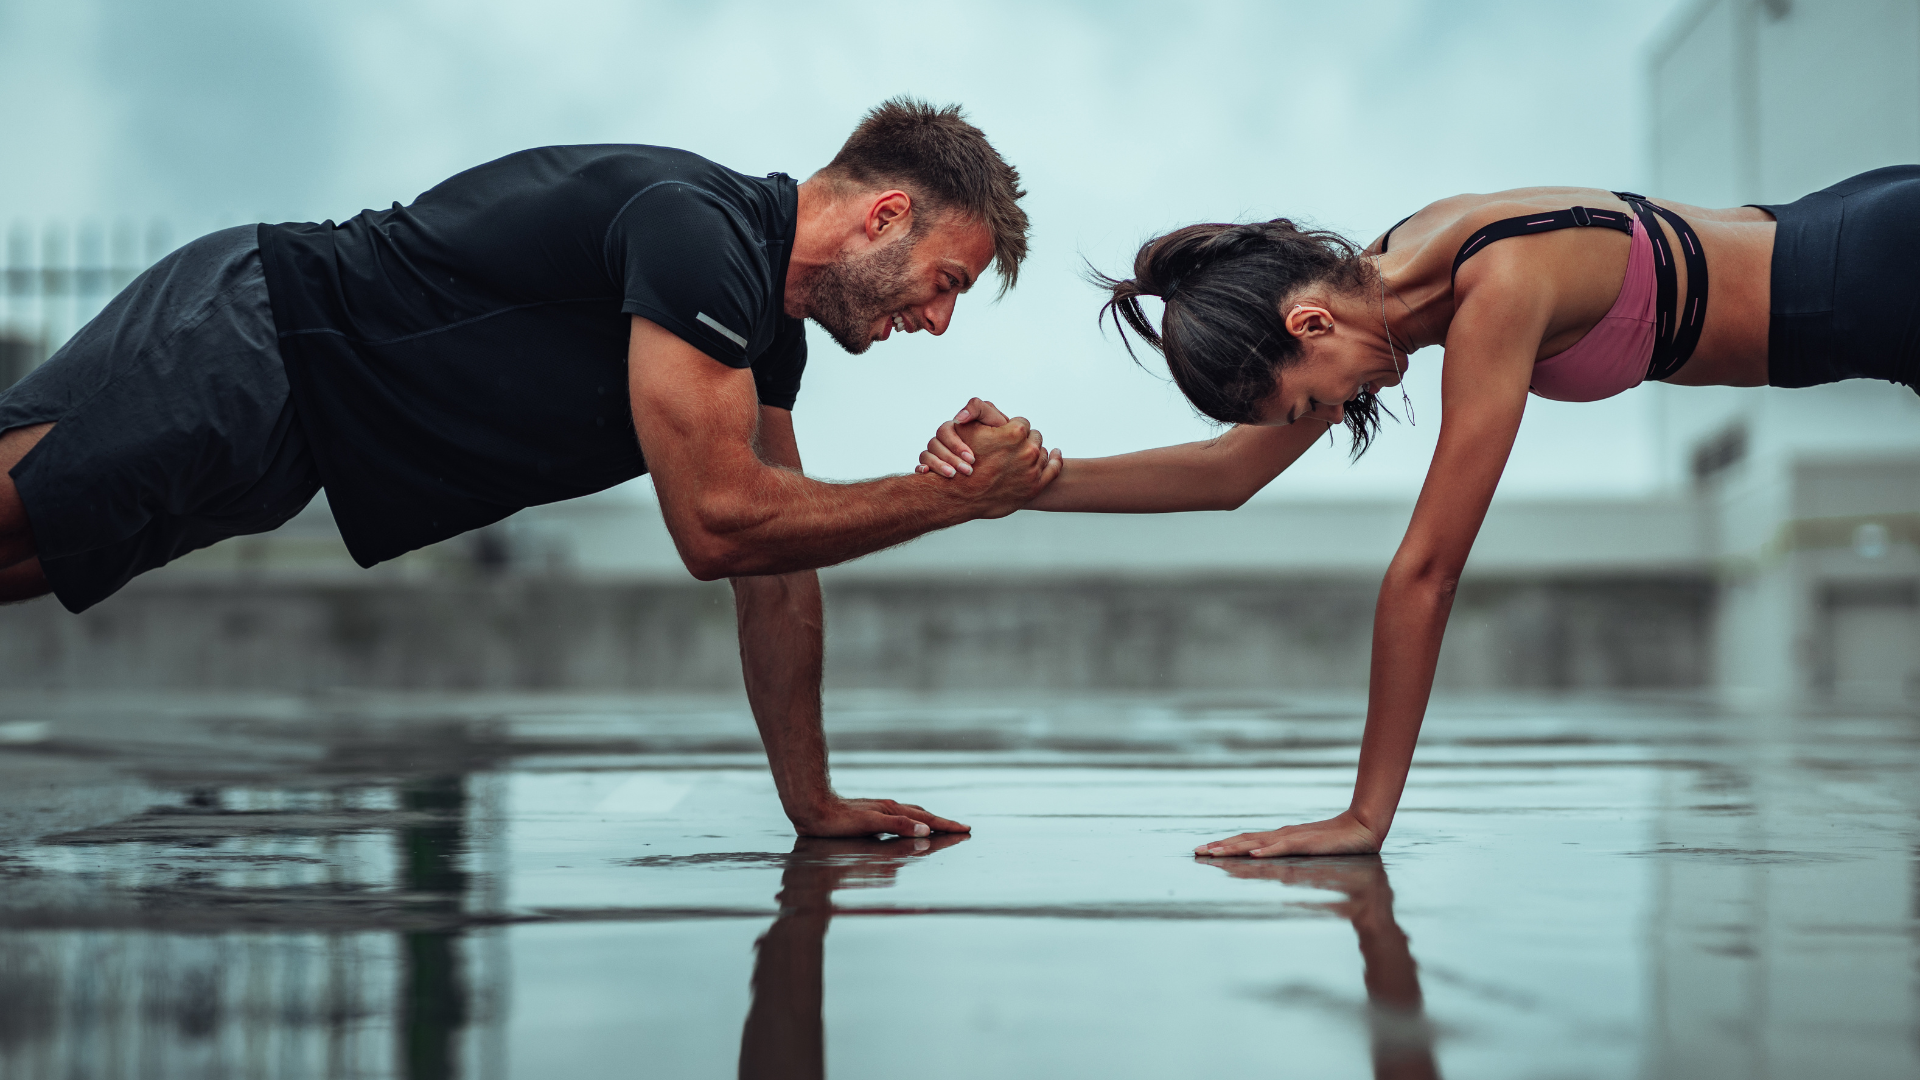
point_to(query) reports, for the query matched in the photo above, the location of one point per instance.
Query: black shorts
(172, 424)
(1846, 282)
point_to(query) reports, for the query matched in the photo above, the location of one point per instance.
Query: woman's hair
(1223, 333)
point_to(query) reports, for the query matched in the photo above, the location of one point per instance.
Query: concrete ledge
(1088, 632)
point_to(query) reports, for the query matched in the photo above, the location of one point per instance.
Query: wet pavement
(532, 887)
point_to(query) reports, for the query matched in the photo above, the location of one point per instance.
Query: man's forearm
(786, 522)
(782, 633)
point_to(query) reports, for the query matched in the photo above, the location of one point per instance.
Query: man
(541, 327)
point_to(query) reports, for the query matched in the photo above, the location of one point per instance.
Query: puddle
(470, 887)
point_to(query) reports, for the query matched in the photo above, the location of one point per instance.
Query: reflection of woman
(1401, 1038)
(1575, 294)
(784, 1038)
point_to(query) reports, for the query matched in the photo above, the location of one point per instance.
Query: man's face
(906, 283)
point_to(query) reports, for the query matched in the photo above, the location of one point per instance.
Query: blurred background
(1757, 542)
(265, 813)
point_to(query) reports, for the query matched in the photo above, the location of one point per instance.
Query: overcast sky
(1125, 119)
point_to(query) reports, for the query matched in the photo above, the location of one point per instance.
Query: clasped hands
(950, 452)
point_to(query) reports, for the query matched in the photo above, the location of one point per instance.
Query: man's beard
(852, 291)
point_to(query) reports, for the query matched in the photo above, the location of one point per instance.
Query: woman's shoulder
(1451, 220)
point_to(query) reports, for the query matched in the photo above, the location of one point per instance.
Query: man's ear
(889, 212)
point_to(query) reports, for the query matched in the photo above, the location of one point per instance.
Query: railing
(56, 276)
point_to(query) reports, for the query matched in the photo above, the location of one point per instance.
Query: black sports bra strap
(1388, 235)
(1676, 332)
(1546, 221)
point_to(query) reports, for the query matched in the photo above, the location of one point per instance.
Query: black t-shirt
(455, 360)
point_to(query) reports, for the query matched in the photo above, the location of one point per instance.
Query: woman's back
(1585, 268)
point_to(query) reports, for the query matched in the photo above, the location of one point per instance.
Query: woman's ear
(1309, 319)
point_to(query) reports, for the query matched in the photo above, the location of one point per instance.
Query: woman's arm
(1491, 346)
(1214, 474)
(1218, 474)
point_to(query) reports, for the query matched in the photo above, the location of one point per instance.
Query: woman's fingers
(941, 460)
(947, 446)
(1342, 835)
(1234, 845)
(1051, 470)
(949, 436)
(1281, 844)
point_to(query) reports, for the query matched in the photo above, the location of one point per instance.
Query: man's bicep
(693, 415)
(776, 443)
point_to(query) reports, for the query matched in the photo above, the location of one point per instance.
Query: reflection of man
(538, 328)
(784, 1038)
(1401, 1037)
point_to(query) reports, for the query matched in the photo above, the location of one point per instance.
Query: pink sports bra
(1645, 335)
(1613, 356)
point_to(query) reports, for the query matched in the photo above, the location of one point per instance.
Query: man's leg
(23, 581)
(20, 574)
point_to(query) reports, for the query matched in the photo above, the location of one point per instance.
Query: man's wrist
(808, 802)
(959, 504)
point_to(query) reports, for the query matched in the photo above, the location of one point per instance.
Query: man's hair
(946, 165)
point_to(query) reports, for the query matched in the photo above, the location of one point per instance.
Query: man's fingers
(987, 412)
(940, 824)
(897, 824)
(908, 816)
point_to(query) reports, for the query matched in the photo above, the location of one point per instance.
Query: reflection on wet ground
(499, 887)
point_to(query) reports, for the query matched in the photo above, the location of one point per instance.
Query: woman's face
(1338, 359)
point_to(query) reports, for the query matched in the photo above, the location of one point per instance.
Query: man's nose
(938, 315)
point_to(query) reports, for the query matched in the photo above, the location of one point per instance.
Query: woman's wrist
(1374, 819)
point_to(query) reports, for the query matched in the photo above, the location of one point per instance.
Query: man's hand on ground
(873, 817)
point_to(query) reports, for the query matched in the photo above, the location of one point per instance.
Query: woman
(1574, 294)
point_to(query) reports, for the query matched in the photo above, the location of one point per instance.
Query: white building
(1811, 497)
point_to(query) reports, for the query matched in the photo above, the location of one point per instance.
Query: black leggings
(1846, 282)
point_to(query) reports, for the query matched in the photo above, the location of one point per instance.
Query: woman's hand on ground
(947, 453)
(873, 817)
(1343, 835)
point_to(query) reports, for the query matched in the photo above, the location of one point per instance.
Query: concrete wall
(1560, 595)
(526, 632)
